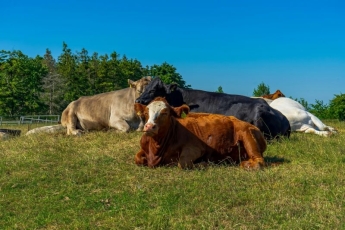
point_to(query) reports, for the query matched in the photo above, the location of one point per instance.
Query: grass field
(54, 181)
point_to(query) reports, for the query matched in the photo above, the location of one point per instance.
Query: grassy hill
(55, 181)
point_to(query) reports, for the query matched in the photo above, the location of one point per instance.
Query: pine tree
(52, 85)
(219, 90)
(67, 68)
(262, 89)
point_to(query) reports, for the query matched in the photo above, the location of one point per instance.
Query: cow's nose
(149, 127)
(138, 101)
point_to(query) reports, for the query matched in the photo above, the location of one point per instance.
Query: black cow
(254, 111)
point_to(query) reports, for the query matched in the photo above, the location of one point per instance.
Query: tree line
(43, 85)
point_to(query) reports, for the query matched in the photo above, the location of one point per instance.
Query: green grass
(54, 181)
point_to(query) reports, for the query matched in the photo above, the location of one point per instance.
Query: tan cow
(106, 110)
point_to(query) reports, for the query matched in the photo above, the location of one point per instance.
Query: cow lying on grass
(198, 137)
(106, 110)
(300, 119)
(271, 122)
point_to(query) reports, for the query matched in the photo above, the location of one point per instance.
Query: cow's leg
(321, 126)
(140, 158)
(309, 129)
(188, 155)
(331, 129)
(254, 144)
(317, 132)
(120, 125)
(141, 124)
(72, 124)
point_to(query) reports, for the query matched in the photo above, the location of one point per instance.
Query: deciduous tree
(168, 74)
(303, 102)
(320, 109)
(20, 83)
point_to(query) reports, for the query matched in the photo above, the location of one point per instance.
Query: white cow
(300, 119)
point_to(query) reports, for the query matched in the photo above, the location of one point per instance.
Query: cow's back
(209, 127)
(114, 102)
(226, 136)
(216, 131)
(99, 111)
(286, 103)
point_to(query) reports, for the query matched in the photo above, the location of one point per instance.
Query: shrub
(337, 107)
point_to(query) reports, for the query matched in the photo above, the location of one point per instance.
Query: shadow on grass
(275, 161)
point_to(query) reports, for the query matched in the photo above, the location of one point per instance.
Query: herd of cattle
(185, 127)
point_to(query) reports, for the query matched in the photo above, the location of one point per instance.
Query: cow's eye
(164, 113)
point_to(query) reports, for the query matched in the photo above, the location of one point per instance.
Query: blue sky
(295, 46)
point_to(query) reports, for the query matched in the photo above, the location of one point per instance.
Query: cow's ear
(139, 109)
(149, 78)
(131, 83)
(171, 88)
(181, 111)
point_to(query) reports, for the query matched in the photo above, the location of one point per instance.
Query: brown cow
(273, 96)
(106, 110)
(198, 137)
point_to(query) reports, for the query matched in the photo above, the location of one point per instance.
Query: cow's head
(275, 95)
(158, 114)
(139, 85)
(156, 88)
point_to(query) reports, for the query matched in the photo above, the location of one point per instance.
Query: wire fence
(36, 119)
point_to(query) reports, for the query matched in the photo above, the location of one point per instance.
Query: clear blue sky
(295, 46)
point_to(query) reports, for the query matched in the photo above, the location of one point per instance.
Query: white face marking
(154, 110)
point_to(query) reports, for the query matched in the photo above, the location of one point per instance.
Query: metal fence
(30, 119)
